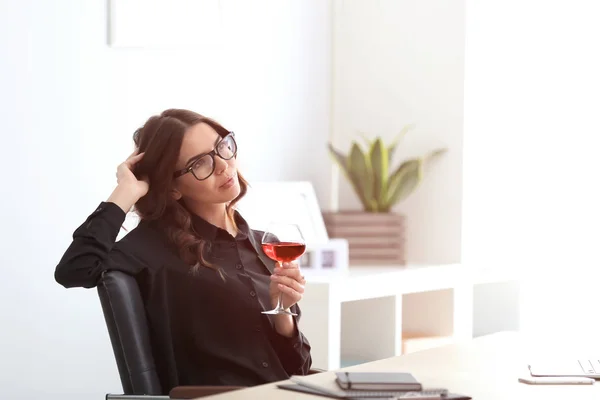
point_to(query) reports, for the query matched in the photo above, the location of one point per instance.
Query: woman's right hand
(129, 189)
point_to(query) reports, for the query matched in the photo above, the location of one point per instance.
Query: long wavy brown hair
(160, 139)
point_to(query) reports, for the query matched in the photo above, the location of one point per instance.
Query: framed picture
(325, 258)
(293, 202)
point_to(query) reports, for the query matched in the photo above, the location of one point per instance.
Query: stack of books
(370, 385)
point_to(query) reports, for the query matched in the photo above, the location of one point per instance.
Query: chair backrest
(128, 330)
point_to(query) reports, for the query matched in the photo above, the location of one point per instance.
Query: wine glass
(282, 242)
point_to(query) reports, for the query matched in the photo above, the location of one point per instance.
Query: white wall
(531, 165)
(399, 62)
(69, 106)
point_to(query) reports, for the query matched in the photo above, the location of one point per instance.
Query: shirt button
(253, 293)
(265, 364)
(239, 266)
(257, 328)
(232, 244)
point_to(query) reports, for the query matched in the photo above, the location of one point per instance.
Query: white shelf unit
(362, 315)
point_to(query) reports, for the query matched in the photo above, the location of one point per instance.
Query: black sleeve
(294, 352)
(92, 250)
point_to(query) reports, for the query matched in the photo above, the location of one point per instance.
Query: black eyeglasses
(203, 165)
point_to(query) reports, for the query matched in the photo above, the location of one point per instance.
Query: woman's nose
(220, 165)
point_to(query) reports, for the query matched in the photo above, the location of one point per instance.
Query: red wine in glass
(284, 251)
(282, 242)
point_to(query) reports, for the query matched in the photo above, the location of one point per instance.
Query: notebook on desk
(332, 390)
(401, 381)
(356, 395)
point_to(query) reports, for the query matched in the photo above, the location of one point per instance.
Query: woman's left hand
(289, 281)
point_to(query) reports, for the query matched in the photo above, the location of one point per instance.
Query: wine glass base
(279, 312)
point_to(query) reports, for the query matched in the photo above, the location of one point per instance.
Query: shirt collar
(210, 232)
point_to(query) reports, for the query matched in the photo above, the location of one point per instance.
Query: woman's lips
(228, 183)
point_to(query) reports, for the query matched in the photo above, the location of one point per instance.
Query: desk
(485, 368)
(374, 329)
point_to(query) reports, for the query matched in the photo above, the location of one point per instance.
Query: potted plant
(376, 234)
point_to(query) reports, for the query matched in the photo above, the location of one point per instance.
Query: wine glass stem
(280, 302)
(280, 298)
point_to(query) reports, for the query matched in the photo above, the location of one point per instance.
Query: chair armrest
(313, 371)
(111, 396)
(192, 392)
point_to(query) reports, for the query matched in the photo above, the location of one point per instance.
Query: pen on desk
(558, 380)
(418, 396)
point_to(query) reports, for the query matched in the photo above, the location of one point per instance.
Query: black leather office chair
(125, 317)
(128, 330)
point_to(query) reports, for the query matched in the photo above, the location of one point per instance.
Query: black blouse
(205, 330)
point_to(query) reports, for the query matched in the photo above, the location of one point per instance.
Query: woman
(201, 270)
